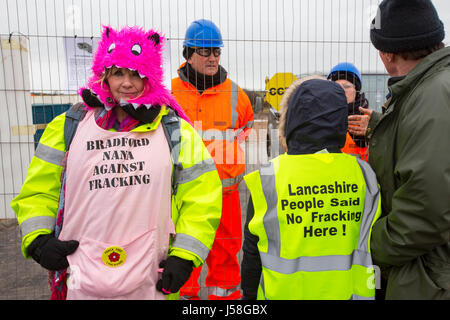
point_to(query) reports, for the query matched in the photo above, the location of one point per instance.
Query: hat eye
(111, 47)
(136, 49)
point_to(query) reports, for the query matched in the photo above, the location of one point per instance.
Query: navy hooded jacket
(316, 118)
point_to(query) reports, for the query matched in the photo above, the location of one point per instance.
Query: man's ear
(390, 57)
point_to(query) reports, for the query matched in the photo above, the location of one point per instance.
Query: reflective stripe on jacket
(196, 207)
(223, 116)
(313, 216)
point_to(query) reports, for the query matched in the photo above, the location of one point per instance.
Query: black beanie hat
(406, 25)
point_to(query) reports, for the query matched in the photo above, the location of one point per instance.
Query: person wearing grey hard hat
(410, 152)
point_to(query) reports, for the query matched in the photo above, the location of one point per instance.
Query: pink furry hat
(135, 49)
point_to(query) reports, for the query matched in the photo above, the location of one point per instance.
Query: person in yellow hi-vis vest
(311, 210)
(121, 199)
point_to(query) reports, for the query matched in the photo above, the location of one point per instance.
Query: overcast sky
(261, 37)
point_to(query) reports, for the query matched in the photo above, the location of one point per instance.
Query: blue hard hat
(203, 34)
(347, 71)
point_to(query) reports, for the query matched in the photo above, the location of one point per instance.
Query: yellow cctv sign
(276, 86)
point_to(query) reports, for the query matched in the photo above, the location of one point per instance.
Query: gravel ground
(20, 278)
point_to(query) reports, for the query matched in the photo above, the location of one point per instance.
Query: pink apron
(118, 198)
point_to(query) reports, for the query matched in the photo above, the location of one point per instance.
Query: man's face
(207, 65)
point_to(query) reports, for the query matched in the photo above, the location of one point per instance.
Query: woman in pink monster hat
(134, 205)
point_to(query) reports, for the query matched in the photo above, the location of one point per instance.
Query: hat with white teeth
(138, 50)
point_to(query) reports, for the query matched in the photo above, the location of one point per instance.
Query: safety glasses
(206, 52)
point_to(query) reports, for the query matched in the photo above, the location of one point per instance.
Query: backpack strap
(171, 126)
(74, 115)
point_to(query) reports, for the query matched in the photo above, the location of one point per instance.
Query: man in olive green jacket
(409, 150)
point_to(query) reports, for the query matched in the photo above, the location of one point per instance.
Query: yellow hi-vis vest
(313, 215)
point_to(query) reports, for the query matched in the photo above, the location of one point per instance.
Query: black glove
(51, 253)
(176, 272)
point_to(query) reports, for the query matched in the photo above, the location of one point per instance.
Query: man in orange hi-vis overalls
(222, 114)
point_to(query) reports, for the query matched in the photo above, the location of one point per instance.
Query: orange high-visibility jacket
(352, 148)
(223, 116)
